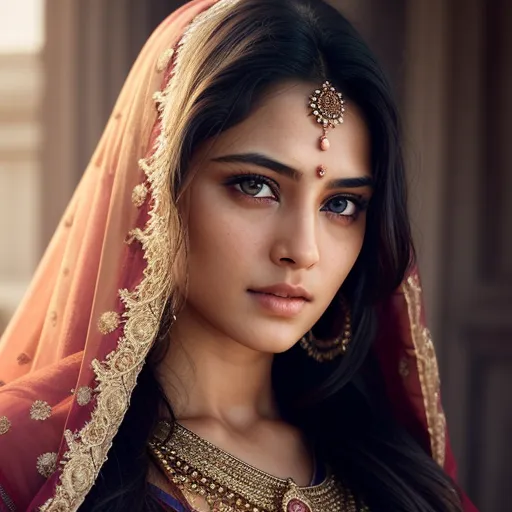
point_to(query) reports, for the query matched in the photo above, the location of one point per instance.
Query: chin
(270, 344)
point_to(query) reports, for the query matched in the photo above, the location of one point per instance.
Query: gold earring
(327, 350)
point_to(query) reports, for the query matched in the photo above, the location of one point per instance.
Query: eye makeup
(262, 189)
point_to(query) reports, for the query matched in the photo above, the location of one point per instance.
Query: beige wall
(21, 85)
(20, 175)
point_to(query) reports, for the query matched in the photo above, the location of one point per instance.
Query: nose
(296, 243)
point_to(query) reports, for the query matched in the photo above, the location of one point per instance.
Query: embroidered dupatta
(70, 358)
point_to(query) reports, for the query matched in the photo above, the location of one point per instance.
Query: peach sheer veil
(70, 357)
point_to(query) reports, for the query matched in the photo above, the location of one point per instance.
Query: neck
(208, 376)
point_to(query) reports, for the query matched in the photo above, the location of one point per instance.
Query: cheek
(222, 243)
(341, 254)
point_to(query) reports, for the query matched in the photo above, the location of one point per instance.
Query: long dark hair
(338, 405)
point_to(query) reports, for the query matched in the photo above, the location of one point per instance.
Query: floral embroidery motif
(108, 322)
(24, 359)
(5, 425)
(83, 395)
(47, 464)
(40, 410)
(139, 195)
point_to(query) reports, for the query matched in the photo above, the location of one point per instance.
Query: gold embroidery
(108, 322)
(134, 234)
(47, 464)
(428, 371)
(139, 195)
(83, 395)
(95, 433)
(5, 425)
(144, 306)
(197, 466)
(24, 359)
(159, 98)
(40, 410)
(164, 60)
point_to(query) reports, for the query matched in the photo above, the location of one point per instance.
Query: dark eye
(251, 187)
(254, 187)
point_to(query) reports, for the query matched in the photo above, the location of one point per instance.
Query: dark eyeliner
(361, 203)
(240, 178)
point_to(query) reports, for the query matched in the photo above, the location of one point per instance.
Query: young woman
(229, 317)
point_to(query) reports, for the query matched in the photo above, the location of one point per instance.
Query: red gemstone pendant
(296, 505)
(321, 171)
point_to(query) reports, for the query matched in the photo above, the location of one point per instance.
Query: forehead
(281, 126)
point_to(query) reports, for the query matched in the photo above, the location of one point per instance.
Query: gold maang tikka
(328, 106)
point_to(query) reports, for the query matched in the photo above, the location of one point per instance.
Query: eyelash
(360, 203)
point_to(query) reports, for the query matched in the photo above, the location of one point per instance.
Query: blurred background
(63, 62)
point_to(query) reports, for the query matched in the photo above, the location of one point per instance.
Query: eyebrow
(261, 160)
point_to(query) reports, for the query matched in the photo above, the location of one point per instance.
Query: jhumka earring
(327, 350)
(328, 106)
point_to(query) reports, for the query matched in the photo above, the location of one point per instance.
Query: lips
(285, 291)
(281, 300)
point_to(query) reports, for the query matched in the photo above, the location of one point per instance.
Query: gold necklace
(228, 484)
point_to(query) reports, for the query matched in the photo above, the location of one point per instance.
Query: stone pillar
(20, 175)
(425, 131)
(89, 50)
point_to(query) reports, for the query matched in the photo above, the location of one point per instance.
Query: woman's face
(271, 242)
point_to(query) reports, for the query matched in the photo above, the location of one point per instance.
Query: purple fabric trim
(167, 499)
(319, 476)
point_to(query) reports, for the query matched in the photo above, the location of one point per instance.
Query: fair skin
(245, 235)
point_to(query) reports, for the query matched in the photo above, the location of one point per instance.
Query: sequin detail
(5, 425)
(139, 195)
(40, 410)
(47, 464)
(6, 500)
(24, 359)
(83, 395)
(108, 322)
(403, 367)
